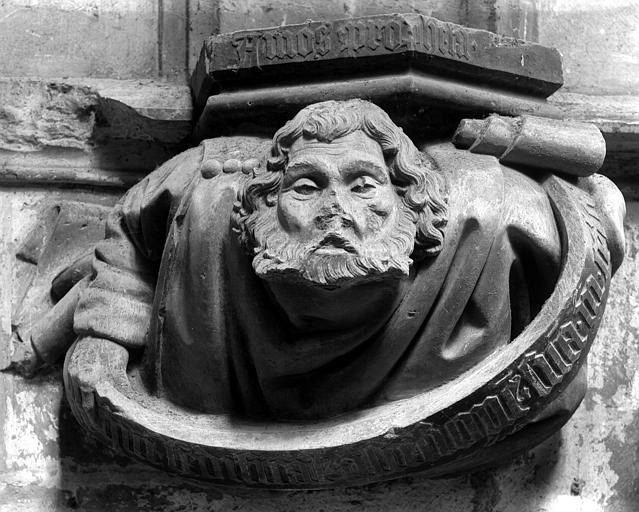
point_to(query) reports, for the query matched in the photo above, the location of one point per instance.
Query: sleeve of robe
(118, 302)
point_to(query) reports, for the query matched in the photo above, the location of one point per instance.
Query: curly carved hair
(416, 178)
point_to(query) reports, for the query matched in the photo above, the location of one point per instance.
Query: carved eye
(364, 186)
(305, 187)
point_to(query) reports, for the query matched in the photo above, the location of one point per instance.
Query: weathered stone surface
(145, 39)
(508, 17)
(49, 38)
(90, 131)
(36, 114)
(618, 119)
(597, 41)
(71, 113)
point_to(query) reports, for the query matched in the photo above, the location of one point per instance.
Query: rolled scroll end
(467, 132)
(566, 147)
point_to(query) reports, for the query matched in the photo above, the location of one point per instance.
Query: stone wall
(93, 96)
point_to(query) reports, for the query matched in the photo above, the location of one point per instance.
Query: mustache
(337, 240)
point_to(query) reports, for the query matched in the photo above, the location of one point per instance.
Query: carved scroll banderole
(567, 147)
(420, 434)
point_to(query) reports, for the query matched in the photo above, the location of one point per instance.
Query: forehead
(354, 146)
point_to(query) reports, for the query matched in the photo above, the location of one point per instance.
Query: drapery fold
(171, 276)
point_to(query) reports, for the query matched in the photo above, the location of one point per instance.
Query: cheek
(382, 209)
(294, 215)
(377, 218)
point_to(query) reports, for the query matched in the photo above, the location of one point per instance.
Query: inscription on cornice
(352, 38)
(420, 38)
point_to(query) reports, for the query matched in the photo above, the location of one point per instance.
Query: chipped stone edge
(128, 107)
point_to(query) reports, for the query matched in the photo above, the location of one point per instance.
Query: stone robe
(171, 276)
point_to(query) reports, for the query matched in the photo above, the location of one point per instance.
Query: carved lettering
(461, 44)
(290, 41)
(514, 395)
(270, 46)
(280, 51)
(430, 35)
(373, 35)
(539, 373)
(305, 42)
(343, 39)
(398, 455)
(561, 364)
(413, 454)
(427, 448)
(295, 472)
(322, 40)
(341, 468)
(491, 415)
(392, 36)
(378, 459)
(569, 351)
(439, 442)
(352, 37)
(576, 337)
(462, 430)
(357, 35)
(211, 467)
(444, 39)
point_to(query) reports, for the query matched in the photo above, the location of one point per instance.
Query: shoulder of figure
(484, 174)
(526, 200)
(474, 183)
(484, 189)
(460, 165)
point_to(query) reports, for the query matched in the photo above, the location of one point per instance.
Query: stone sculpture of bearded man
(346, 269)
(294, 217)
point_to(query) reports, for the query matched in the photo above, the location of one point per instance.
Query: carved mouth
(334, 243)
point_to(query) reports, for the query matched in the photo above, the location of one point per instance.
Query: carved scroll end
(568, 147)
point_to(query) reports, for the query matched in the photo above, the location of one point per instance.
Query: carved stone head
(345, 196)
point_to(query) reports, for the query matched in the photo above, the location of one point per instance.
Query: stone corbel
(504, 240)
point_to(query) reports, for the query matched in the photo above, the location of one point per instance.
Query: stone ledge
(93, 132)
(153, 99)
(611, 114)
(618, 119)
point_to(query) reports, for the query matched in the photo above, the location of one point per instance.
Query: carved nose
(334, 218)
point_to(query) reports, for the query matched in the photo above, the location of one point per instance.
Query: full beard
(279, 257)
